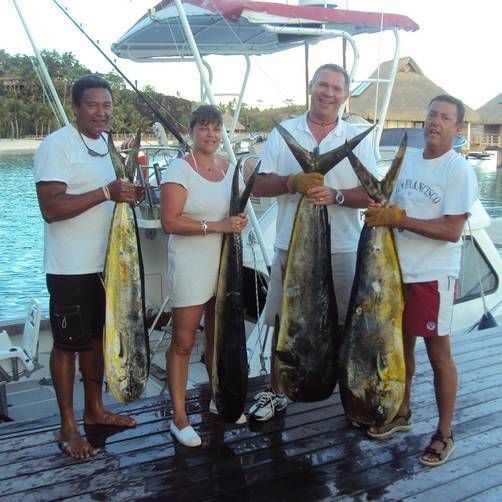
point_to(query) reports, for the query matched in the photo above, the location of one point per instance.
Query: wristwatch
(339, 198)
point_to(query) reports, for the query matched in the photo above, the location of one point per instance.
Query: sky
(457, 47)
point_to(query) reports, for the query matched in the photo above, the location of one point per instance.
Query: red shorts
(428, 309)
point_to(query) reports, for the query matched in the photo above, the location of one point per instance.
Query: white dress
(193, 260)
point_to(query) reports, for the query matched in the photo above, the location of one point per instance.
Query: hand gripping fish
(307, 333)
(230, 363)
(372, 368)
(126, 351)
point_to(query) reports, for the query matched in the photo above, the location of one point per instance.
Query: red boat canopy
(241, 27)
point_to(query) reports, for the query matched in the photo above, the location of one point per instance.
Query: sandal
(442, 454)
(401, 423)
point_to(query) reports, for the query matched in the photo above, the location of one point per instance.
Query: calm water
(21, 230)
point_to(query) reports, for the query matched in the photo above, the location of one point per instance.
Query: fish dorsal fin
(132, 157)
(391, 177)
(249, 187)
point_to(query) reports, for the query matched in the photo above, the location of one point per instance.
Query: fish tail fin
(305, 158)
(234, 197)
(118, 165)
(371, 185)
(249, 187)
(380, 191)
(132, 158)
(391, 177)
(328, 160)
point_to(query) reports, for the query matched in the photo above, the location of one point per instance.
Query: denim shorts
(77, 310)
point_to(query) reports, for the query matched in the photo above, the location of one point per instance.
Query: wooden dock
(309, 452)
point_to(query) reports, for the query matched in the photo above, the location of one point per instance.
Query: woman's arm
(172, 201)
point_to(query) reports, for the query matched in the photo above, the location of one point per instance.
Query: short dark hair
(454, 101)
(206, 114)
(332, 67)
(88, 82)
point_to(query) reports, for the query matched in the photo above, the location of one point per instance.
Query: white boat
(193, 29)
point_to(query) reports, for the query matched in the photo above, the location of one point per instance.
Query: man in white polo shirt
(319, 130)
(77, 188)
(430, 203)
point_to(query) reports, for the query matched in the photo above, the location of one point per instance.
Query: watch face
(339, 198)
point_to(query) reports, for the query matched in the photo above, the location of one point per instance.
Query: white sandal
(186, 436)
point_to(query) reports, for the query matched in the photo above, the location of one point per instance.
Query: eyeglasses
(92, 152)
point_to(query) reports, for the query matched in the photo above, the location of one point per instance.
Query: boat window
(469, 280)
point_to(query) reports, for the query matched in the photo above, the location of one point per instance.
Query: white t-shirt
(428, 189)
(76, 245)
(277, 158)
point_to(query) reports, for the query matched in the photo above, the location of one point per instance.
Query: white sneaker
(266, 405)
(214, 410)
(186, 436)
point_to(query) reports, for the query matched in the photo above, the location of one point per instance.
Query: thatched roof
(410, 97)
(227, 122)
(491, 112)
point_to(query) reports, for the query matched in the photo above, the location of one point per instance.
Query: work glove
(390, 216)
(301, 182)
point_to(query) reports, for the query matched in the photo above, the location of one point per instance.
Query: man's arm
(56, 205)
(270, 185)
(447, 228)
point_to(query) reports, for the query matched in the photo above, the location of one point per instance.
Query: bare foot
(74, 445)
(104, 417)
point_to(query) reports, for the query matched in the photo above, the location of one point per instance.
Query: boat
(311, 452)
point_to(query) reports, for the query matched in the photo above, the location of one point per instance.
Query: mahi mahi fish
(230, 364)
(126, 352)
(307, 332)
(372, 367)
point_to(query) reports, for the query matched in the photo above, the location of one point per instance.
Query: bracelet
(203, 226)
(106, 191)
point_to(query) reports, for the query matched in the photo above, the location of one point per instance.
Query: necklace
(321, 124)
(92, 152)
(207, 168)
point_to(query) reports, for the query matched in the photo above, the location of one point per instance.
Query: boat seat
(11, 355)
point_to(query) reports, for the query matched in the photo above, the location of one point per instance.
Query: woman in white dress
(195, 199)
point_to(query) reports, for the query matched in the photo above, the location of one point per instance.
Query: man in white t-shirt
(76, 185)
(319, 130)
(430, 203)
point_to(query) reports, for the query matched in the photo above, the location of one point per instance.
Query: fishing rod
(167, 123)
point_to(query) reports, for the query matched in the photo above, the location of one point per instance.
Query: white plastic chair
(28, 351)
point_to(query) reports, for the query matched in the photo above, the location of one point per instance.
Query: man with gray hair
(319, 130)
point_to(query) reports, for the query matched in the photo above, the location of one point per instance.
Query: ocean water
(21, 230)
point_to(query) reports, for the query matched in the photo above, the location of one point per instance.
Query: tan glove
(390, 216)
(301, 182)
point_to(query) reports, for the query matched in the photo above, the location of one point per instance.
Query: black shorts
(77, 310)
